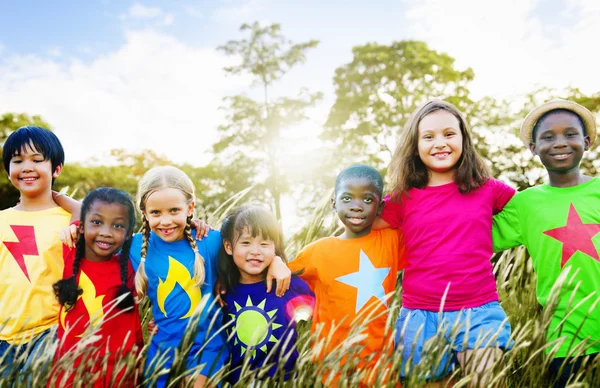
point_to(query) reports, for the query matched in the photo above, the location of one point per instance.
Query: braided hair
(67, 290)
(153, 180)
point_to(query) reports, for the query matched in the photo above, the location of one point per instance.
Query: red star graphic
(575, 236)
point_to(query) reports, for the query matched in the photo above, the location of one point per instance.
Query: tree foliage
(251, 136)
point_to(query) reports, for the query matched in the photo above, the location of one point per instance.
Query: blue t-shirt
(174, 297)
(263, 327)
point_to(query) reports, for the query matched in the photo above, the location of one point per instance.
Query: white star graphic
(368, 281)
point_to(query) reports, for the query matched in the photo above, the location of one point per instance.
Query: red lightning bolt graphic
(26, 245)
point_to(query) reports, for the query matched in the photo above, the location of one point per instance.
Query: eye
(15, 161)
(118, 226)
(154, 212)
(368, 200)
(450, 134)
(39, 161)
(346, 198)
(96, 222)
(266, 243)
(175, 210)
(427, 137)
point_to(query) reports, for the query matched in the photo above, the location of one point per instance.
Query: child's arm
(280, 272)
(506, 227)
(68, 203)
(380, 223)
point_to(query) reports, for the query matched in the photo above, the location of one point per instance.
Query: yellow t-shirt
(31, 261)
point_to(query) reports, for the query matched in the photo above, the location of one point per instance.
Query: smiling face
(167, 212)
(31, 174)
(104, 230)
(252, 256)
(560, 141)
(440, 145)
(357, 203)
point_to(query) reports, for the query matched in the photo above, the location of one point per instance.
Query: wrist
(56, 194)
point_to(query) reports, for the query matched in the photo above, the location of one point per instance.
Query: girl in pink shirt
(443, 199)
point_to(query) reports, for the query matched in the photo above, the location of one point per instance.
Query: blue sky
(117, 74)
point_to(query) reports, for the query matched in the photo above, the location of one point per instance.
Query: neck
(350, 235)
(251, 279)
(569, 178)
(437, 178)
(39, 202)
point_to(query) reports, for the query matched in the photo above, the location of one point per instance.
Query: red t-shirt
(118, 332)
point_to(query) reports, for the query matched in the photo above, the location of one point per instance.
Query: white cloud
(54, 51)
(508, 47)
(246, 12)
(139, 12)
(193, 11)
(154, 92)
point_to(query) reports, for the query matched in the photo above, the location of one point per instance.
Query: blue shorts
(16, 359)
(430, 340)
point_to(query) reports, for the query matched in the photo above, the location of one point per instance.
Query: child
(262, 325)
(443, 199)
(96, 292)
(559, 223)
(176, 272)
(352, 274)
(31, 255)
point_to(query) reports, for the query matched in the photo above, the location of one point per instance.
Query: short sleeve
(401, 250)
(502, 194)
(506, 227)
(304, 262)
(391, 212)
(135, 251)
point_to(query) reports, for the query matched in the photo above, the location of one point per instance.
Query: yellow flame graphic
(178, 274)
(92, 303)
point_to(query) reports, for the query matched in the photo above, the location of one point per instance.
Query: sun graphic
(253, 328)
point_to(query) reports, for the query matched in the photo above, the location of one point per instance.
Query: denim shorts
(430, 340)
(15, 359)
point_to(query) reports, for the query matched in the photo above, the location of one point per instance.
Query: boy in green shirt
(559, 224)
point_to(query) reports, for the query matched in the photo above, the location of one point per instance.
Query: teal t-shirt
(560, 227)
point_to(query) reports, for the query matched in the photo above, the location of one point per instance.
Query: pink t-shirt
(448, 237)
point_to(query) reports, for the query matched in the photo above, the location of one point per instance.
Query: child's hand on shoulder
(69, 235)
(279, 272)
(202, 228)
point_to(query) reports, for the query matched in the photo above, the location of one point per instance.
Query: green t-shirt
(560, 227)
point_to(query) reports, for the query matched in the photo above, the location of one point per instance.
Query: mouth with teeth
(167, 231)
(355, 220)
(254, 262)
(28, 179)
(441, 155)
(105, 246)
(561, 156)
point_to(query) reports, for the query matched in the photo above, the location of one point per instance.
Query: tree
(378, 90)
(10, 122)
(253, 128)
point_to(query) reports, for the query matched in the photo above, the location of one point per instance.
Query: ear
(532, 148)
(228, 247)
(333, 204)
(190, 210)
(80, 228)
(57, 171)
(587, 143)
(380, 207)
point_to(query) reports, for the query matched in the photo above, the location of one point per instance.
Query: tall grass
(525, 365)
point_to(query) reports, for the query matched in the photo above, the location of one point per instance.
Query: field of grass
(525, 365)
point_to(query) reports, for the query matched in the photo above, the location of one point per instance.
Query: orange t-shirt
(353, 281)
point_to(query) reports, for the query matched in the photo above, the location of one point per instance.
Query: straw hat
(586, 116)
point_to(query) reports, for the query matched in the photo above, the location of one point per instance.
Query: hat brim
(532, 118)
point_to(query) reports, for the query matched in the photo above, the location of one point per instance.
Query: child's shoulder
(299, 286)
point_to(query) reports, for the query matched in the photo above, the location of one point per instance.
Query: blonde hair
(153, 180)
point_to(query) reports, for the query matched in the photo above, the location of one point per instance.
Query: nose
(356, 206)
(27, 165)
(105, 230)
(560, 142)
(254, 249)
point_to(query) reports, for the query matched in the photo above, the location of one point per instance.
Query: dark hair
(360, 171)
(259, 222)
(67, 290)
(407, 170)
(553, 111)
(30, 137)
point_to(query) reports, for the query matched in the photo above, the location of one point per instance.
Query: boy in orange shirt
(354, 275)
